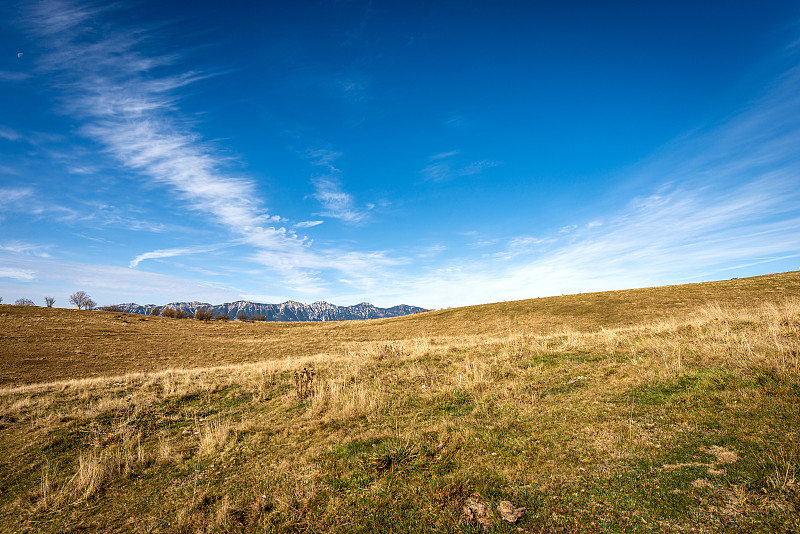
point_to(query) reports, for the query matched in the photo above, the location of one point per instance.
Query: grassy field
(669, 409)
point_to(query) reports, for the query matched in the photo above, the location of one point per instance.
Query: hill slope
(45, 344)
(653, 410)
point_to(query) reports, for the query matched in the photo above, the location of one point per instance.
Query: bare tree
(155, 310)
(241, 316)
(24, 302)
(1, 299)
(82, 300)
(49, 301)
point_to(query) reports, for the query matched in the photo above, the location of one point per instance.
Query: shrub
(175, 313)
(24, 302)
(260, 317)
(112, 308)
(203, 314)
(242, 317)
(221, 317)
(49, 301)
(155, 311)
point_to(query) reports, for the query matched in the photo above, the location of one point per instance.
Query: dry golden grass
(664, 409)
(48, 344)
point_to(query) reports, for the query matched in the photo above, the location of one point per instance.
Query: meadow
(670, 409)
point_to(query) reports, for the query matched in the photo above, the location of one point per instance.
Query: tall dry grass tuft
(217, 436)
(339, 398)
(784, 477)
(93, 471)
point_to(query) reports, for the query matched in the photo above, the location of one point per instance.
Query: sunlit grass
(683, 420)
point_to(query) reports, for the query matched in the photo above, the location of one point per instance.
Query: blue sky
(429, 153)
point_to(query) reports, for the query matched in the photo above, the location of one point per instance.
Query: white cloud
(11, 76)
(17, 274)
(14, 195)
(26, 200)
(307, 224)
(172, 252)
(105, 283)
(324, 157)
(336, 203)
(443, 167)
(733, 198)
(9, 134)
(18, 247)
(444, 155)
(131, 110)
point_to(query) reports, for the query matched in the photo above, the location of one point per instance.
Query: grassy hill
(652, 410)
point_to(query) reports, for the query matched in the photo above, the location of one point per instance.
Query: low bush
(203, 314)
(175, 313)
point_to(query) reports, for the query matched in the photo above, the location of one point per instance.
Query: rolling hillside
(652, 410)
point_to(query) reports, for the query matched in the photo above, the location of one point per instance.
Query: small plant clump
(303, 380)
(396, 456)
(221, 317)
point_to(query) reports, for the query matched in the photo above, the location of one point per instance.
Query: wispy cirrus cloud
(128, 106)
(336, 203)
(22, 275)
(721, 199)
(9, 134)
(29, 201)
(444, 166)
(676, 236)
(13, 76)
(307, 224)
(178, 251)
(19, 247)
(105, 283)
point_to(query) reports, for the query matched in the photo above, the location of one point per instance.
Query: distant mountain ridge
(289, 311)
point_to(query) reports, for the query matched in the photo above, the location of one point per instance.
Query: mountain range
(285, 311)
